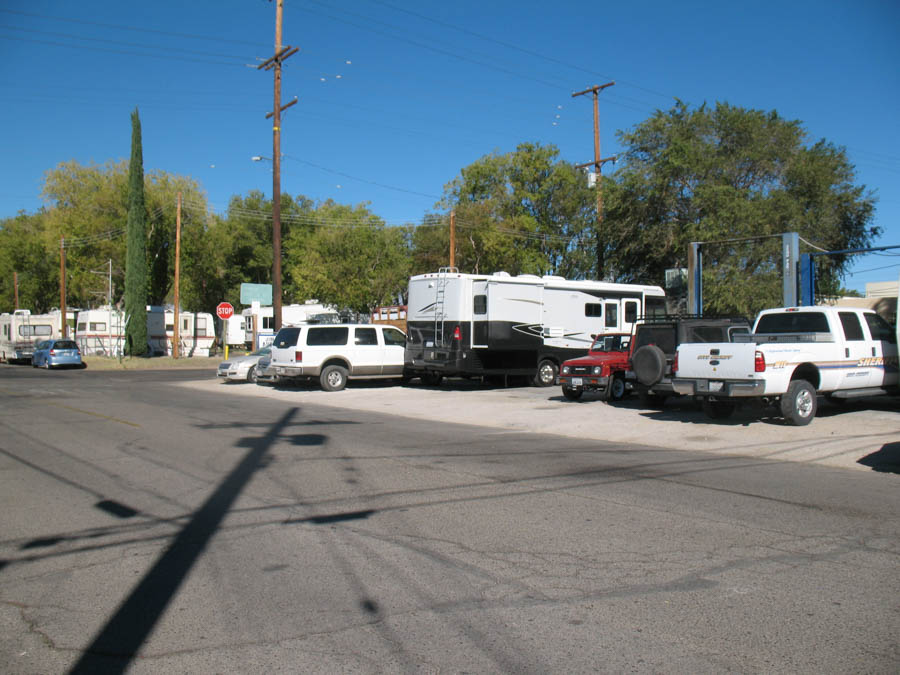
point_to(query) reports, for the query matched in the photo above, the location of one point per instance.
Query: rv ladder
(439, 290)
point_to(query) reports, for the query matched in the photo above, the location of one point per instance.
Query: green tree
(525, 211)
(24, 256)
(722, 174)
(136, 260)
(350, 259)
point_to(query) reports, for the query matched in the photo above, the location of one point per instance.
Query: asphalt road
(152, 523)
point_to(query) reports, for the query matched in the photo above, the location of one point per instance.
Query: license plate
(716, 386)
(576, 382)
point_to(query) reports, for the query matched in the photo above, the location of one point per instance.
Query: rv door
(479, 314)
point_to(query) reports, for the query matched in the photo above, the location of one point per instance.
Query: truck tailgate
(716, 360)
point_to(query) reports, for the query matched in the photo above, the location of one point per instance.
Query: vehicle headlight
(565, 370)
(597, 370)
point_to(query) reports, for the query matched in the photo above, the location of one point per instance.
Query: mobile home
(526, 325)
(21, 330)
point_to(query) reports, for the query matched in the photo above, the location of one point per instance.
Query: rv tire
(546, 374)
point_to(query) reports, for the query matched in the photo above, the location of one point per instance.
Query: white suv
(334, 353)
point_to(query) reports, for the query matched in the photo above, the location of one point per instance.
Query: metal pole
(64, 330)
(176, 332)
(453, 239)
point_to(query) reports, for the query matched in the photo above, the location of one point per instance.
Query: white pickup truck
(793, 354)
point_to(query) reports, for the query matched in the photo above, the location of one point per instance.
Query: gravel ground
(862, 435)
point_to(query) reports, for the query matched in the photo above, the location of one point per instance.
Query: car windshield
(610, 343)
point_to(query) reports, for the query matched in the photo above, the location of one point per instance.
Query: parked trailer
(21, 330)
(101, 332)
(291, 315)
(474, 325)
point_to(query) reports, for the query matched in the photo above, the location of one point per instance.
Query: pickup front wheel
(798, 404)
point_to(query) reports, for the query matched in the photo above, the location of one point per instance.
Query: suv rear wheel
(333, 378)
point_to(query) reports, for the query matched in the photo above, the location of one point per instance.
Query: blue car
(58, 352)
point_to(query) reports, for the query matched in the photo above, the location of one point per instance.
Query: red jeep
(602, 370)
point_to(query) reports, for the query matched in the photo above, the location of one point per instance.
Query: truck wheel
(717, 410)
(572, 394)
(798, 404)
(649, 364)
(546, 374)
(431, 379)
(333, 378)
(616, 388)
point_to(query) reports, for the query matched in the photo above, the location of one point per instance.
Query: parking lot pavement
(863, 435)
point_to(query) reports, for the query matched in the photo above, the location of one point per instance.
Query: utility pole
(16, 286)
(597, 163)
(453, 239)
(176, 335)
(64, 330)
(281, 53)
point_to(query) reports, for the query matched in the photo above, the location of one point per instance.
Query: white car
(242, 368)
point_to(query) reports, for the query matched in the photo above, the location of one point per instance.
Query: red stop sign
(224, 310)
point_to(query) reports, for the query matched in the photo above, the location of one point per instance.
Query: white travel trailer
(21, 330)
(483, 325)
(234, 331)
(101, 332)
(291, 315)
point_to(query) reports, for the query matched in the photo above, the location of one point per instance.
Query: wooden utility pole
(16, 286)
(176, 333)
(597, 163)
(453, 239)
(64, 330)
(281, 53)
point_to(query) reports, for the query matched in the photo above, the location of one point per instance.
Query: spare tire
(649, 364)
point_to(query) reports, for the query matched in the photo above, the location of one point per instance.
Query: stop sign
(224, 310)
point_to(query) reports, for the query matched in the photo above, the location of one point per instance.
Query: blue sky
(395, 97)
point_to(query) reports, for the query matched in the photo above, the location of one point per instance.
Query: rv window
(332, 335)
(480, 305)
(185, 324)
(880, 329)
(654, 306)
(268, 323)
(366, 336)
(631, 311)
(39, 329)
(852, 327)
(612, 315)
(97, 325)
(82, 327)
(170, 327)
(201, 324)
(394, 337)
(593, 309)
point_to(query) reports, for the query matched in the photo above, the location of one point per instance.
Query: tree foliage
(348, 258)
(726, 173)
(525, 211)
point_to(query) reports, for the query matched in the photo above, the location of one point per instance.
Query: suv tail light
(675, 364)
(759, 362)
(298, 357)
(457, 333)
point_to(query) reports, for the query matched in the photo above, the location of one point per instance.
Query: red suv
(602, 370)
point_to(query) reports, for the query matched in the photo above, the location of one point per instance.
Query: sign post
(225, 310)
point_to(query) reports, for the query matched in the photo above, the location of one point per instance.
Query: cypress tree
(136, 257)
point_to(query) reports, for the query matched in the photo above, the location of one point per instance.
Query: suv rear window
(662, 336)
(327, 335)
(287, 337)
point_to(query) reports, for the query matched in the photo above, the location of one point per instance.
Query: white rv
(484, 325)
(21, 330)
(101, 332)
(291, 315)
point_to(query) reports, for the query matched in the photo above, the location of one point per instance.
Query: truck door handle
(873, 351)
(847, 352)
